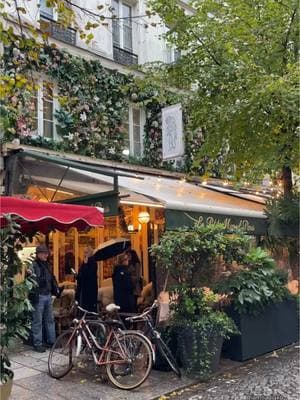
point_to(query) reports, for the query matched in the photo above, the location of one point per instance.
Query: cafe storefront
(138, 206)
(38, 175)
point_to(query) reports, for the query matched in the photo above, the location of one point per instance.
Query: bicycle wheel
(60, 361)
(98, 331)
(129, 360)
(167, 355)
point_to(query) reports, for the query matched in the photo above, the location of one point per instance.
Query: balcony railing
(124, 57)
(57, 31)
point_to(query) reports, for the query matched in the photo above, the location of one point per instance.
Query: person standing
(135, 270)
(41, 299)
(87, 282)
(122, 284)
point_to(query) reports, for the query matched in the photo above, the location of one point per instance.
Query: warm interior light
(59, 191)
(141, 203)
(144, 217)
(130, 228)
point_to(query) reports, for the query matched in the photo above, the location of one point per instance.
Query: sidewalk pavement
(32, 382)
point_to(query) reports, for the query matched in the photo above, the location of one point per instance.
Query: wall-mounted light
(130, 228)
(144, 217)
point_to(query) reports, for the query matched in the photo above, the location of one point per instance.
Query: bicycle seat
(112, 307)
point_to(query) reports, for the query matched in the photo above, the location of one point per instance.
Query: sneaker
(39, 349)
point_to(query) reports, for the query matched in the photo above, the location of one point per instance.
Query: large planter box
(5, 389)
(276, 327)
(192, 350)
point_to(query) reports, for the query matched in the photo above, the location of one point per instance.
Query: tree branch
(285, 43)
(211, 55)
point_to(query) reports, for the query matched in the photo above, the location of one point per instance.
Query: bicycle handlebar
(83, 310)
(144, 314)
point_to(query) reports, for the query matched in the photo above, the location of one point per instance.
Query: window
(172, 55)
(135, 129)
(46, 11)
(50, 24)
(48, 109)
(43, 108)
(122, 25)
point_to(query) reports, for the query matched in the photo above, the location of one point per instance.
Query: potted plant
(261, 306)
(192, 258)
(200, 327)
(14, 305)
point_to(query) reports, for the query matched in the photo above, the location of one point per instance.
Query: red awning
(37, 216)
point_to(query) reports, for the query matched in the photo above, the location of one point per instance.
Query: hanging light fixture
(144, 217)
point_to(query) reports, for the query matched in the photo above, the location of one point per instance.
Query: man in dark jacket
(41, 300)
(123, 287)
(87, 285)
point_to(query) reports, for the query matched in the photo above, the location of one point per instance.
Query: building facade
(123, 36)
(90, 107)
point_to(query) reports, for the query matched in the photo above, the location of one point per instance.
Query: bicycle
(152, 333)
(127, 355)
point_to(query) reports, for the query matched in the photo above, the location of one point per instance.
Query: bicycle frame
(82, 329)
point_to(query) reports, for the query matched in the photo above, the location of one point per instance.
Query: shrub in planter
(200, 328)
(261, 306)
(14, 304)
(256, 284)
(191, 257)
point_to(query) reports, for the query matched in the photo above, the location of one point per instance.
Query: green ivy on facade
(93, 104)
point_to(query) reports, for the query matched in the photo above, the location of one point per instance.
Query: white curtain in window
(127, 27)
(116, 23)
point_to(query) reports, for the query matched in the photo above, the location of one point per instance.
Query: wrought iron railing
(124, 57)
(57, 31)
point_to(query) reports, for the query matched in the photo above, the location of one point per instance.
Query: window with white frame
(122, 25)
(135, 129)
(43, 105)
(172, 55)
(46, 11)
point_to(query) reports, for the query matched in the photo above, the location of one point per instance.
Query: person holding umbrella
(135, 271)
(87, 282)
(122, 284)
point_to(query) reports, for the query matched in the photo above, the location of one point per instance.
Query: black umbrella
(111, 248)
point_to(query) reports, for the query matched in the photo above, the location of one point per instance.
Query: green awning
(108, 200)
(179, 218)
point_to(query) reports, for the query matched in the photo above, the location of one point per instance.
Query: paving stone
(25, 372)
(25, 360)
(35, 354)
(273, 377)
(20, 393)
(79, 385)
(15, 365)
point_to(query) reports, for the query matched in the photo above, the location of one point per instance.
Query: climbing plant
(93, 104)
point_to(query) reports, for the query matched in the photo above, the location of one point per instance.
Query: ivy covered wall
(93, 102)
